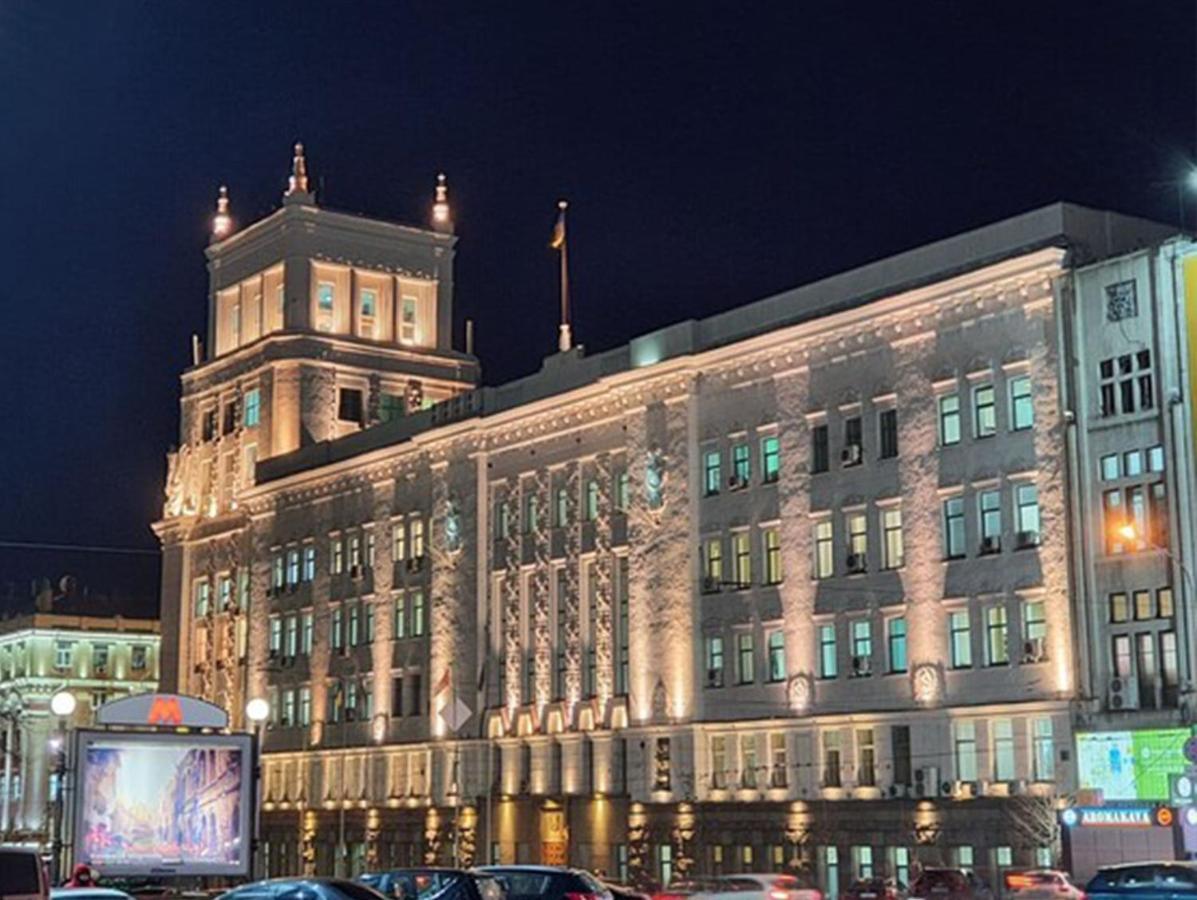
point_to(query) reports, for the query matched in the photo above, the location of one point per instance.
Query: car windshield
(18, 873)
(941, 881)
(525, 884)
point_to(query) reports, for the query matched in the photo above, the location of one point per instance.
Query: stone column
(35, 771)
(541, 599)
(601, 631)
(381, 651)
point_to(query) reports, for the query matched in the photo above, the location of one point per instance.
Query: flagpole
(565, 340)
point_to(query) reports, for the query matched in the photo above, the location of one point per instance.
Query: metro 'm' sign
(163, 711)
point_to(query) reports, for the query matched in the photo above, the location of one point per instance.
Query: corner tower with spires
(320, 324)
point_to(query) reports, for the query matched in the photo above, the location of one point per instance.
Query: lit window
(1132, 463)
(862, 647)
(966, 750)
(1164, 602)
(778, 760)
(275, 640)
(1143, 604)
(324, 296)
(309, 562)
(1034, 624)
(892, 549)
(561, 513)
(715, 661)
(866, 772)
(949, 419)
(745, 659)
(961, 640)
(337, 632)
(953, 527)
(777, 656)
(307, 627)
(741, 466)
(369, 303)
(416, 528)
(1003, 749)
(398, 540)
(253, 407)
(64, 652)
(828, 661)
(407, 320)
(990, 509)
(400, 616)
(824, 550)
(997, 650)
(1026, 514)
(718, 761)
(1022, 407)
(713, 560)
(1044, 749)
(770, 459)
(896, 639)
(858, 542)
(741, 559)
(772, 543)
(418, 624)
(293, 566)
(592, 500)
(984, 411)
(748, 760)
(622, 494)
(1122, 655)
(1110, 469)
(203, 598)
(832, 761)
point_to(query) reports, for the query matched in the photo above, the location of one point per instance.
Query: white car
(766, 886)
(1042, 884)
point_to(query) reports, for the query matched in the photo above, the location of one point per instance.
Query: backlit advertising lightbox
(1131, 765)
(163, 804)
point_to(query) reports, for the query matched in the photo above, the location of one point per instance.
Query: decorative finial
(442, 217)
(222, 222)
(297, 187)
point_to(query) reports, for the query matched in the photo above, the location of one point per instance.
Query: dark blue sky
(712, 154)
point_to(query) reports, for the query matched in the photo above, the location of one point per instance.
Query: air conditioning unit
(851, 455)
(947, 788)
(856, 563)
(963, 790)
(862, 666)
(898, 790)
(1124, 693)
(1034, 650)
(926, 780)
(1027, 539)
(991, 544)
(710, 584)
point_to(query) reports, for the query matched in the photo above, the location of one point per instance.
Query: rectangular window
(989, 504)
(306, 632)
(309, 562)
(561, 511)
(1110, 469)
(203, 598)
(828, 661)
(1158, 514)
(1112, 520)
(349, 405)
(305, 705)
(1003, 749)
(777, 656)
(741, 466)
(1122, 655)
(1143, 604)
(275, 639)
(832, 760)
(253, 407)
(745, 659)
(953, 527)
(1043, 749)
(770, 459)
(1146, 664)
(623, 623)
(997, 649)
(63, 654)
(417, 613)
(416, 531)
(820, 449)
(965, 735)
(1132, 463)
(622, 492)
(862, 861)
(862, 648)
(713, 562)
(338, 555)
(407, 320)
(771, 538)
(719, 767)
(1034, 630)
(896, 639)
(398, 541)
(1155, 458)
(824, 550)
(949, 420)
(324, 296)
(887, 426)
(390, 407)
(715, 666)
(858, 542)
(866, 759)
(1022, 408)
(99, 657)
(748, 761)
(892, 549)
(1164, 602)
(369, 303)
(1169, 667)
(293, 566)
(531, 512)
(292, 638)
(961, 639)
(337, 632)
(853, 442)
(592, 500)
(742, 559)
(1026, 515)
(778, 760)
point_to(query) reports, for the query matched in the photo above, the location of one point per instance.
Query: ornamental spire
(222, 222)
(442, 215)
(297, 186)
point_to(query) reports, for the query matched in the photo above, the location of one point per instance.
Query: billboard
(163, 804)
(1131, 765)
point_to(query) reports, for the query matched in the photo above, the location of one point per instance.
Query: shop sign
(1114, 816)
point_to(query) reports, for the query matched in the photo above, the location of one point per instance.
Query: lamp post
(257, 711)
(62, 705)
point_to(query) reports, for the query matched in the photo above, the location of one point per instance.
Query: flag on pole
(446, 704)
(558, 239)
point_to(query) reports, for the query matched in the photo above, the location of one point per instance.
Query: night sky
(712, 154)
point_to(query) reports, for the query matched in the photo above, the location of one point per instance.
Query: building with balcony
(97, 659)
(809, 584)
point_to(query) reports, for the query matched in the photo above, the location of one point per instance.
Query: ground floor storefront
(828, 842)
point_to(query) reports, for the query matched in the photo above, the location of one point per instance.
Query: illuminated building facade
(97, 659)
(786, 587)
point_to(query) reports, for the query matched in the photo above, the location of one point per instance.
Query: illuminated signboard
(1131, 765)
(1117, 817)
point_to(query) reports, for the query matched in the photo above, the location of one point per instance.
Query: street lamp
(62, 705)
(257, 711)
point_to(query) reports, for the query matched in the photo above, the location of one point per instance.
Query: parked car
(680, 890)
(408, 884)
(1143, 881)
(1042, 884)
(624, 892)
(546, 883)
(88, 893)
(875, 889)
(949, 884)
(22, 875)
(766, 886)
(303, 889)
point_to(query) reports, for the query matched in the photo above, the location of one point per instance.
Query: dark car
(1143, 881)
(410, 884)
(303, 889)
(546, 883)
(875, 889)
(949, 884)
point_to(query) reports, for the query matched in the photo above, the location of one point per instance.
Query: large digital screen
(163, 804)
(1131, 765)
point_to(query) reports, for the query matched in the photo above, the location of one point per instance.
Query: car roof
(1188, 864)
(523, 868)
(94, 891)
